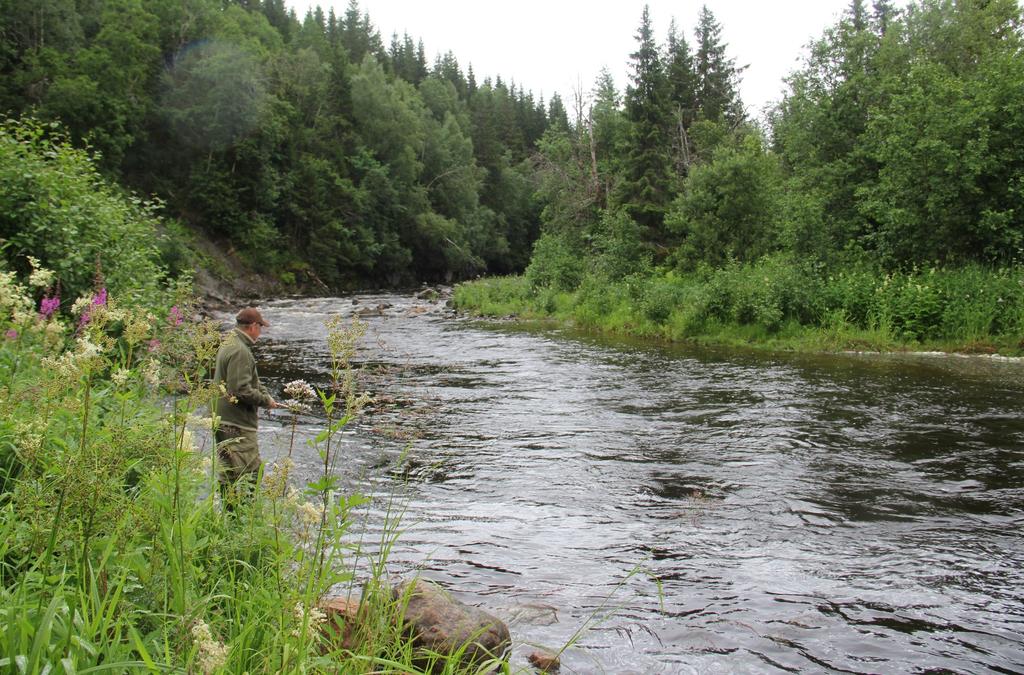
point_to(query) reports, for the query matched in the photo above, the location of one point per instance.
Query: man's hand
(274, 404)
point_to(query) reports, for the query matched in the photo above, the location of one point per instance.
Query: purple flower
(11, 334)
(175, 317)
(100, 298)
(47, 306)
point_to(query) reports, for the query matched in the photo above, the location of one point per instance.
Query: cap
(251, 315)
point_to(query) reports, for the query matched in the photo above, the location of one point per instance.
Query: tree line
(321, 151)
(895, 145)
(309, 145)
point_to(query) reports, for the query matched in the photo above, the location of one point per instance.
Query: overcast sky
(559, 45)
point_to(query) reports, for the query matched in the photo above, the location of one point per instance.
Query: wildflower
(136, 331)
(100, 298)
(40, 277)
(175, 317)
(309, 514)
(151, 371)
(153, 345)
(21, 317)
(54, 334)
(80, 305)
(276, 482)
(87, 349)
(296, 406)
(120, 377)
(314, 616)
(300, 390)
(11, 334)
(47, 306)
(211, 654)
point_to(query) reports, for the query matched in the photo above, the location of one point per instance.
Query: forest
(335, 158)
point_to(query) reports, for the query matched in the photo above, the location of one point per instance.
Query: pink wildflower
(47, 306)
(11, 334)
(153, 345)
(175, 317)
(100, 298)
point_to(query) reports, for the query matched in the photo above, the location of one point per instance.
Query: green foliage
(647, 186)
(902, 137)
(729, 208)
(778, 297)
(288, 139)
(56, 207)
(619, 248)
(556, 263)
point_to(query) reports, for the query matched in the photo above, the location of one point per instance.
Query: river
(684, 510)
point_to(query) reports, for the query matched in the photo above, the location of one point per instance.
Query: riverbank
(116, 552)
(968, 311)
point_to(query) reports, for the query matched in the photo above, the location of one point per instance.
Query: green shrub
(55, 206)
(556, 263)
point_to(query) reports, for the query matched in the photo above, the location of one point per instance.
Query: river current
(678, 510)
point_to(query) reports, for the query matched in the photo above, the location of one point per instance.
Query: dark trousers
(239, 465)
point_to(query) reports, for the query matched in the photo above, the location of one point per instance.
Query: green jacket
(236, 368)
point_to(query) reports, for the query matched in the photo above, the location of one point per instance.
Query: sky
(560, 46)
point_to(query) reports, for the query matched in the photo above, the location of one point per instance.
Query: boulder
(439, 623)
(342, 620)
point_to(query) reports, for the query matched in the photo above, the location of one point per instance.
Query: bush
(557, 263)
(55, 206)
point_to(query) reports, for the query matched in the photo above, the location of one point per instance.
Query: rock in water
(440, 623)
(544, 662)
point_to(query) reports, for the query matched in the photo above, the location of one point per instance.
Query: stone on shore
(342, 620)
(441, 624)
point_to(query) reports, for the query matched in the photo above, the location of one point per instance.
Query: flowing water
(685, 510)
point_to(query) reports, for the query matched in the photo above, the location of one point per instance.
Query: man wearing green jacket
(241, 397)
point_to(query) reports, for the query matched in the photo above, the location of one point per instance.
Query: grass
(115, 553)
(777, 305)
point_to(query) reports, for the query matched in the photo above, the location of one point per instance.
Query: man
(235, 369)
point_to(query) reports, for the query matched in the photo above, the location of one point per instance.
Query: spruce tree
(716, 73)
(646, 188)
(682, 88)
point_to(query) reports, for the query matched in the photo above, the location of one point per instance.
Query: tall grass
(780, 302)
(115, 554)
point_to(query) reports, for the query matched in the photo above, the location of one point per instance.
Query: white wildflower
(120, 376)
(275, 482)
(40, 276)
(151, 371)
(309, 514)
(22, 317)
(137, 331)
(314, 616)
(300, 390)
(211, 655)
(296, 406)
(81, 304)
